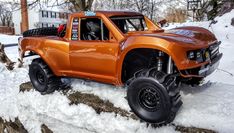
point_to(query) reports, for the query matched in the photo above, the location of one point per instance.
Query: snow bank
(33, 109)
(8, 39)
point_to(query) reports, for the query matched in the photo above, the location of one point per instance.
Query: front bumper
(204, 70)
(210, 68)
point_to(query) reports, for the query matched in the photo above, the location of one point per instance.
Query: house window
(53, 15)
(61, 15)
(56, 15)
(44, 14)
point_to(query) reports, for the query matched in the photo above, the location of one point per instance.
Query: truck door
(94, 51)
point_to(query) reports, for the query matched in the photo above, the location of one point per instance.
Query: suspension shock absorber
(169, 65)
(160, 61)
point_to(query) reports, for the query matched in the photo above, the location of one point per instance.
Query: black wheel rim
(149, 99)
(40, 77)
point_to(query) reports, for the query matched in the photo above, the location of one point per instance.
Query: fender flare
(39, 53)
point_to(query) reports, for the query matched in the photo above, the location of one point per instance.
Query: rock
(12, 127)
(45, 129)
(5, 59)
(25, 87)
(232, 22)
(2, 125)
(183, 129)
(20, 63)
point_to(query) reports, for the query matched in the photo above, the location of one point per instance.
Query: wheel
(154, 96)
(42, 78)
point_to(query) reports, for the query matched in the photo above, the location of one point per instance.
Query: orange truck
(123, 48)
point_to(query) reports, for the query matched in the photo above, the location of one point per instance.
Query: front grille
(214, 50)
(209, 53)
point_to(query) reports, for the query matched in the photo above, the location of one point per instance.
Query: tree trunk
(4, 59)
(226, 6)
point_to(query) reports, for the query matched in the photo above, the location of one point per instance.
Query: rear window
(130, 23)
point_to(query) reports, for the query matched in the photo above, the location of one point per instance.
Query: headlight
(191, 55)
(195, 55)
(198, 55)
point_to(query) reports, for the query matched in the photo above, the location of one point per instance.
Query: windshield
(130, 23)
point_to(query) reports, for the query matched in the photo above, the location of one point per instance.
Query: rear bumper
(203, 70)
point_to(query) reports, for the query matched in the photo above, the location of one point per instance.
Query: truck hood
(185, 35)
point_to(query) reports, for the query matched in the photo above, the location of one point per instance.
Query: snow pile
(208, 106)
(34, 109)
(225, 32)
(8, 39)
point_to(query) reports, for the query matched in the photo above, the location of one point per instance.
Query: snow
(208, 106)
(8, 39)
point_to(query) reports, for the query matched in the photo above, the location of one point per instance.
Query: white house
(40, 18)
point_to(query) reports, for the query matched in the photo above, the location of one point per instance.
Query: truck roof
(106, 13)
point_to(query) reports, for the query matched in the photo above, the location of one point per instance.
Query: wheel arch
(40, 54)
(132, 48)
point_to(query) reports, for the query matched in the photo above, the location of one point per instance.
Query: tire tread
(54, 82)
(169, 83)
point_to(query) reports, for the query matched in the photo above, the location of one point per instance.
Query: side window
(75, 27)
(136, 25)
(93, 29)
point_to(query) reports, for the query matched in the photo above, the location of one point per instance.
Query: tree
(81, 5)
(176, 15)
(212, 8)
(74, 5)
(226, 6)
(5, 15)
(150, 8)
(6, 9)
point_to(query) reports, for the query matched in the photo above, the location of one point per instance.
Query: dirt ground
(12, 126)
(183, 129)
(98, 104)
(17, 127)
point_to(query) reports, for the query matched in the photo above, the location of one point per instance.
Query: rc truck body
(124, 48)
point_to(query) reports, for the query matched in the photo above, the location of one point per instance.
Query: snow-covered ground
(8, 39)
(210, 105)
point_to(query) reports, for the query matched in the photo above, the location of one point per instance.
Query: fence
(7, 30)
